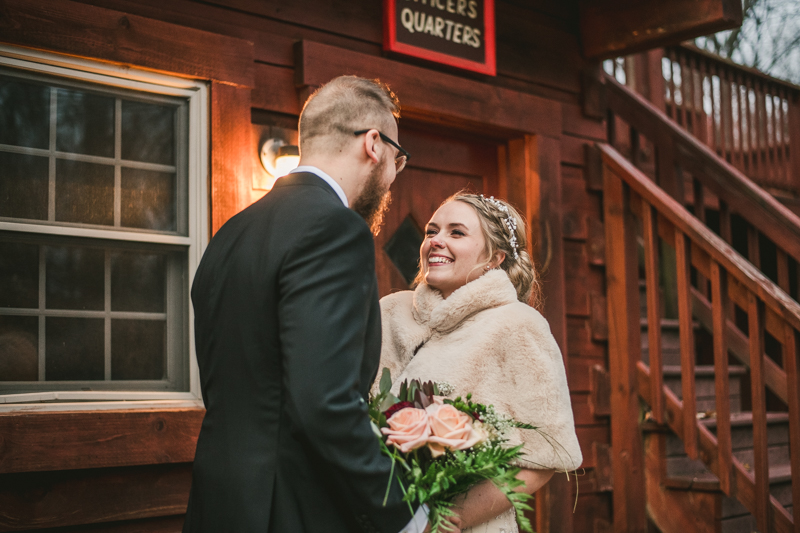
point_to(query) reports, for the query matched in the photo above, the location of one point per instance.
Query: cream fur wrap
(483, 340)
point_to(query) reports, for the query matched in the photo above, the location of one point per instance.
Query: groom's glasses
(402, 157)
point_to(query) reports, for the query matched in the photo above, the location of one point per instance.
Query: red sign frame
(390, 43)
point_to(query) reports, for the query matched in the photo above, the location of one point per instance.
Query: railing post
(794, 137)
(624, 340)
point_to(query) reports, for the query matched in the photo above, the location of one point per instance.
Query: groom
(288, 337)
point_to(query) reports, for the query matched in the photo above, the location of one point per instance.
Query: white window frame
(195, 241)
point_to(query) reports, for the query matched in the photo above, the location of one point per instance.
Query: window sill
(140, 433)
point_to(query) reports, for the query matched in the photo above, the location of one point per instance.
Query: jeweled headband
(509, 221)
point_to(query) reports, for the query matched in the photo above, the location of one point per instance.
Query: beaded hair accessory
(509, 221)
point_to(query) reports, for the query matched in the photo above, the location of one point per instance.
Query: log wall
(262, 58)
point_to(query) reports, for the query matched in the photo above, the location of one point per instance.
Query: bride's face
(454, 250)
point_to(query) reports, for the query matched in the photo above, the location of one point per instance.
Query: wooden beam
(35, 442)
(434, 96)
(80, 497)
(232, 157)
(87, 31)
(620, 27)
(624, 343)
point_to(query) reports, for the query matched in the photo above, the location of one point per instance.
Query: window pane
(138, 282)
(138, 348)
(75, 278)
(148, 199)
(23, 186)
(24, 113)
(84, 193)
(19, 348)
(19, 275)
(85, 123)
(74, 349)
(148, 133)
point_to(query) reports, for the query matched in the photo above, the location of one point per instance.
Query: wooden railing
(759, 226)
(638, 211)
(746, 117)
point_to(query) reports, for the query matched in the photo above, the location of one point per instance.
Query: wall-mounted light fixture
(279, 158)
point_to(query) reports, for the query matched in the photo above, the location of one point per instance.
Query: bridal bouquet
(444, 447)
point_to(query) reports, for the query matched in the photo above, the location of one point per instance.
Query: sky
(770, 39)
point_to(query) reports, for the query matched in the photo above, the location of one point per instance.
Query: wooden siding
(262, 57)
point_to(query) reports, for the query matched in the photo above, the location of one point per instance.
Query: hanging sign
(459, 33)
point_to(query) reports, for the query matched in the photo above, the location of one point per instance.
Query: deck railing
(748, 217)
(638, 211)
(746, 117)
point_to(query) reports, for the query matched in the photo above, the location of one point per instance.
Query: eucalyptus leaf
(389, 401)
(386, 381)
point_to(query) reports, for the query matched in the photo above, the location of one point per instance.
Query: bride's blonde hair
(492, 214)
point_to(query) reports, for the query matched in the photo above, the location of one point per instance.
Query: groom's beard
(374, 200)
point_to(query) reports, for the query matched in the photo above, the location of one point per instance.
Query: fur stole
(483, 340)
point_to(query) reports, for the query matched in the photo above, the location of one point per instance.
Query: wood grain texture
(742, 480)
(791, 354)
(624, 346)
(79, 497)
(33, 442)
(275, 90)
(755, 316)
(740, 270)
(651, 262)
(678, 147)
(619, 27)
(77, 29)
(425, 93)
(719, 295)
(231, 157)
(689, 394)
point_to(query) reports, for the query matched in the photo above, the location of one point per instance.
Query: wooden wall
(258, 54)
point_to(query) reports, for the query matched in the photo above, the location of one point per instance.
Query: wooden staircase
(689, 481)
(705, 406)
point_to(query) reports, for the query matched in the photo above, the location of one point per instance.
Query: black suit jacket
(287, 328)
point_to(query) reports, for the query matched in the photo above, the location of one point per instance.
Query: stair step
(705, 386)
(746, 419)
(703, 370)
(708, 482)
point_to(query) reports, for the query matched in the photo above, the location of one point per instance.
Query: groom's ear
(370, 143)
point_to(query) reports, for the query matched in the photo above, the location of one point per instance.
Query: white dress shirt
(420, 519)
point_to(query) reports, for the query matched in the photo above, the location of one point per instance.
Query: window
(101, 226)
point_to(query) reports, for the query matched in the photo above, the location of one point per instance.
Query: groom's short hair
(342, 106)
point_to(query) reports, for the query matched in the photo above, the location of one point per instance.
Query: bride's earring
(487, 267)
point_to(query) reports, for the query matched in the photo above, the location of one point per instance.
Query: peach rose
(451, 428)
(408, 429)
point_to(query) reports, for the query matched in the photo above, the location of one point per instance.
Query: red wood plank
(80, 497)
(720, 306)
(794, 138)
(428, 93)
(755, 315)
(231, 153)
(624, 340)
(683, 264)
(275, 90)
(651, 262)
(739, 192)
(616, 28)
(34, 442)
(79, 29)
(743, 272)
(743, 482)
(792, 365)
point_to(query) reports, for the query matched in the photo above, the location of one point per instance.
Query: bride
(468, 324)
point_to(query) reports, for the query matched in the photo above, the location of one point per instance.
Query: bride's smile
(454, 251)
